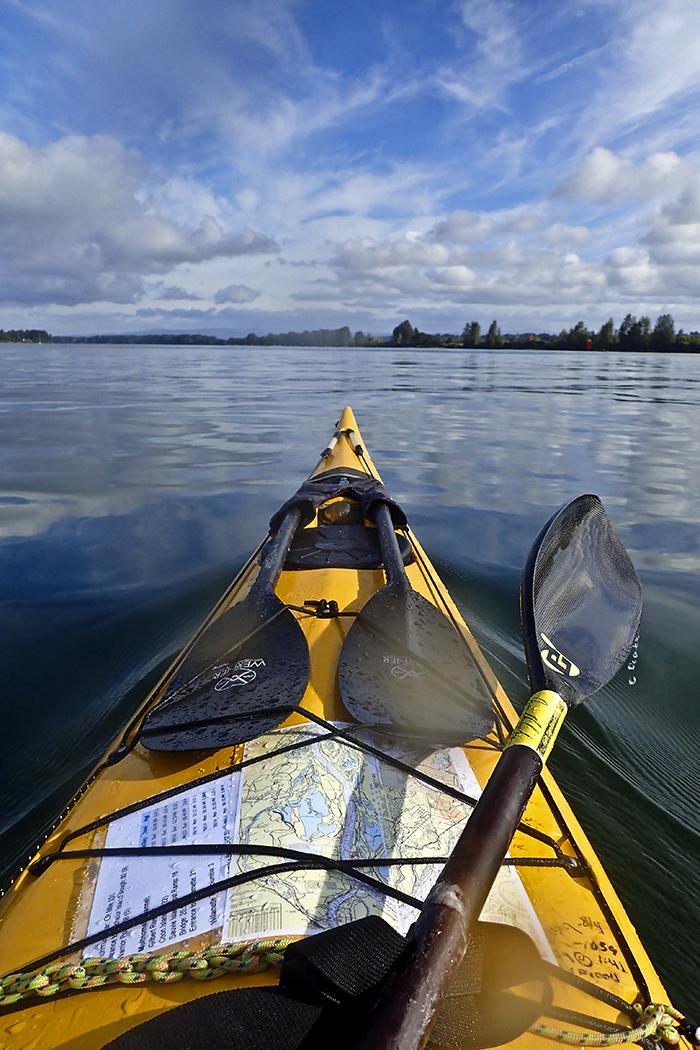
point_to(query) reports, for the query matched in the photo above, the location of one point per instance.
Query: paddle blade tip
(581, 601)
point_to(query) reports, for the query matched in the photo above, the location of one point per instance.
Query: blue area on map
(373, 835)
(312, 812)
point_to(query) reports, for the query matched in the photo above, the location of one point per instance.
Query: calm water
(135, 481)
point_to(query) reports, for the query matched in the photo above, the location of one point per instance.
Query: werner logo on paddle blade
(401, 667)
(242, 672)
(556, 661)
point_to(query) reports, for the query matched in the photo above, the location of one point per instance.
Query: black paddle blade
(405, 668)
(581, 602)
(244, 676)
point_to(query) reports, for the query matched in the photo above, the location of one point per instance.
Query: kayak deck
(563, 883)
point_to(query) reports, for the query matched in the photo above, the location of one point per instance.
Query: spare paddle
(246, 673)
(405, 667)
(580, 606)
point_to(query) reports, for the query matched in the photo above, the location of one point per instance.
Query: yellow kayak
(188, 865)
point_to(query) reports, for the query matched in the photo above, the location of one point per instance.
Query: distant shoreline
(481, 350)
(633, 334)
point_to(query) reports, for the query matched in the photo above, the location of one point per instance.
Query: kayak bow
(172, 863)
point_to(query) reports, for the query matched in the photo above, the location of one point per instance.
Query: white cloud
(507, 253)
(175, 292)
(80, 224)
(605, 177)
(462, 227)
(572, 63)
(288, 120)
(454, 276)
(236, 293)
(247, 200)
(520, 220)
(368, 254)
(565, 236)
(672, 252)
(652, 69)
(492, 54)
(685, 210)
(631, 270)
(183, 200)
(403, 189)
(492, 26)
(508, 270)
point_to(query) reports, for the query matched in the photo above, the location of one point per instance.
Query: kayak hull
(576, 907)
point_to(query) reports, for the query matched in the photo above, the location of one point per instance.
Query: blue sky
(233, 167)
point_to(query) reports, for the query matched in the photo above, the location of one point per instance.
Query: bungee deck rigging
(319, 569)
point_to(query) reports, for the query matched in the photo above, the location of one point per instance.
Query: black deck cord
(425, 777)
(331, 731)
(303, 862)
(597, 991)
(322, 609)
(162, 796)
(240, 849)
(308, 862)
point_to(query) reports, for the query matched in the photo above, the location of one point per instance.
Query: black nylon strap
(328, 985)
(342, 965)
(249, 1019)
(367, 491)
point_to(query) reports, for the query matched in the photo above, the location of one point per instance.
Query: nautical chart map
(333, 799)
(327, 797)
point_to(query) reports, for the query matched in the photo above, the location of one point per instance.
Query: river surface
(134, 482)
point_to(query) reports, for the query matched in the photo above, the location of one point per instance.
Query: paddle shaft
(389, 545)
(406, 1010)
(276, 552)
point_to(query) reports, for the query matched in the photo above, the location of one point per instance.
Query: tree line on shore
(632, 334)
(24, 335)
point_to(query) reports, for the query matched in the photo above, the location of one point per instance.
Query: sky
(227, 167)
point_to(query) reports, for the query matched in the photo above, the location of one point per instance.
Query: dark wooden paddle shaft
(406, 1010)
(276, 552)
(389, 545)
